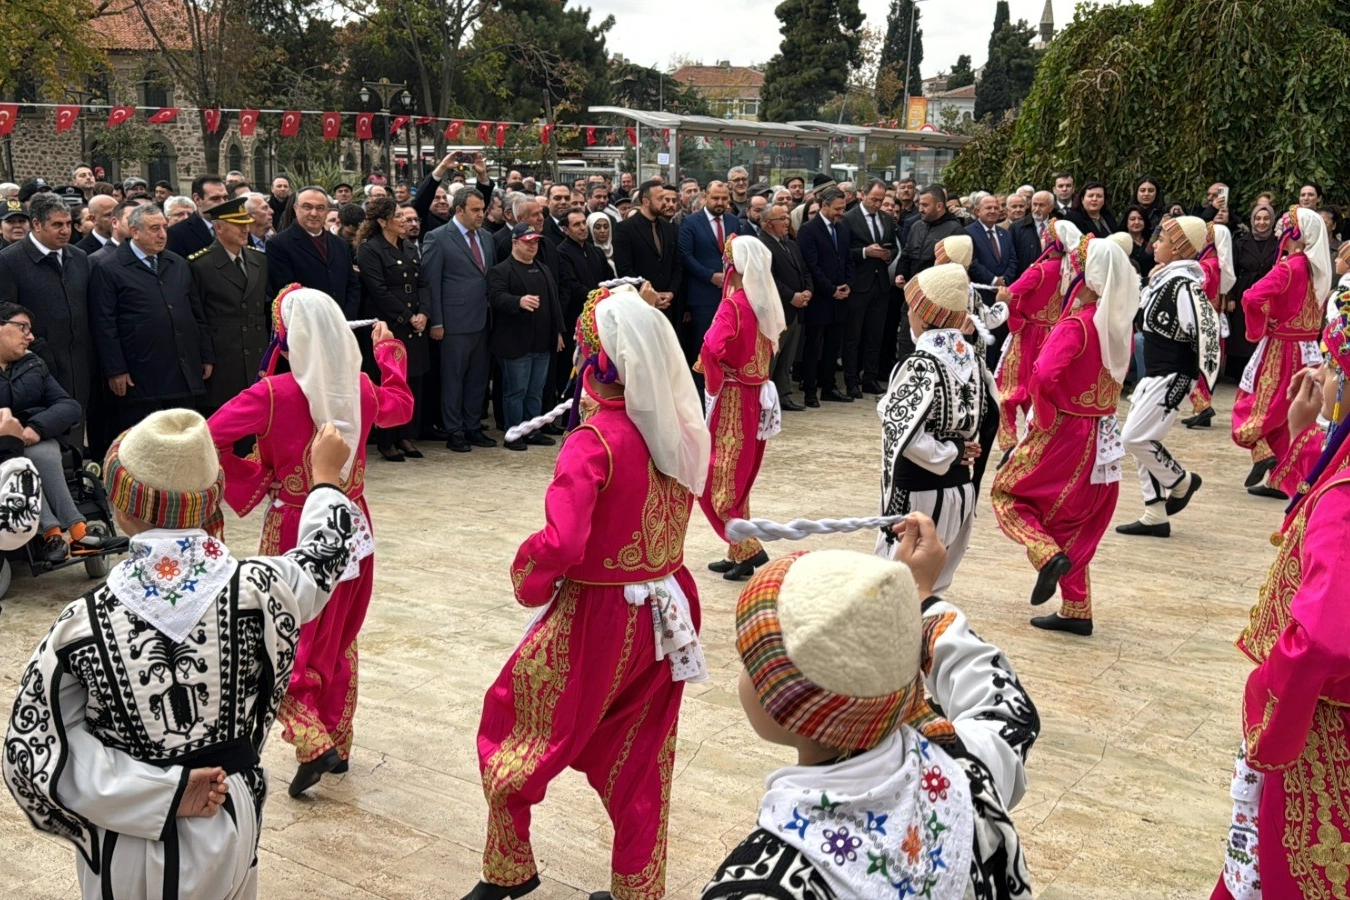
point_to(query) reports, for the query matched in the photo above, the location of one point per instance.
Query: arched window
(155, 90)
(162, 164)
(235, 158)
(349, 161)
(260, 180)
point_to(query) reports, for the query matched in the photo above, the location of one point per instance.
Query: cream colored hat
(958, 248)
(1122, 240)
(171, 450)
(1189, 235)
(940, 295)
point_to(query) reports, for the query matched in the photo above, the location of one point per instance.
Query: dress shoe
(435, 433)
(390, 454)
(1007, 455)
(308, 774)
(52, 550)
(341, 768)
(410, 450)
(872, 387)
(1175, 505)
(537, 439)
(721, 566)
(1259, 472)
(517, 444)
(552, 430)
(602, 895)
(1056, 622)
(855, 392)
(1200, 420)
(1265, 490)
(1047, 579)
(485, 891)
(811, 401)
(457, 444)
(743, 570)
(478, 439)
(790, 406)
(1161, 530)
(835, 397)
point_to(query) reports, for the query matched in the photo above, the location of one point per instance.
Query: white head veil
(659, 391)
(1109, 272)
(326, 363)
(755, 264)
(1223, 246)
(1314, 232)
(1068, 235)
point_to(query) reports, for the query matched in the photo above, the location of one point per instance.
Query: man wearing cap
(135, 186)
(527, 328)
(229, 285)
(342, 193)
(194, 232)
(14, 223)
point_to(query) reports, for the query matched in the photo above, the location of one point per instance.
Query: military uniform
(237, 310)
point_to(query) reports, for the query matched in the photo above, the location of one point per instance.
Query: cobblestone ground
(1129, 780)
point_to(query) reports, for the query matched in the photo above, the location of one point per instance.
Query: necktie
(472, 237)
(153, 263)
(656, 237)
(876, 229)
(239, 263)
(321, 245)
(56, 258)
(721, 238)
(993, 239)
(1040, 232)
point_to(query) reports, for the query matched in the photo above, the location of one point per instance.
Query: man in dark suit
(1064, 186)
(824, 244)
(793, 281)
(151, 338)
(559, 204)
(871, 234)
(455, 258)
(994, 261)
(194, 232)
(229, 286)
(308, 254)
(703, 239)
(647, 245)
(101, 207)
(432, 202)
(581, 268)
(1026, 232)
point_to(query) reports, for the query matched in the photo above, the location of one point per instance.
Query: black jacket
(1026, 242)
(790, 274)
(581, 268)
(869, 274)
(148, 326)
(90, 243)
(515, 330)
(292, 258)
(635, 256)
(28, 388)
(189, 236)
(394, 289)
(920, 250)
(59, 302)
(1106, 227)
(830, 266)
(237, 311)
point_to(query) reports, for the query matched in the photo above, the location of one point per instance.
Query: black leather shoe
(835, 397)
(485, 891)
(52, 550)
(457, 444)
(478, 439)
(1160, 530)
(1047, 579)
(721, 566)
(1265, 490)
(1200, 420)
(552, 430)
(1259, 472)
(790, 406)
(1056, 622)
(308, 774)
(1007, 455)
(517, 444)
(602, 895)
(538, 439)
(1175, 505)
(743, 570)
(410, 450)
(872, 387)
(390, 454)
(855, 392)
(812, 402)
(341, 768)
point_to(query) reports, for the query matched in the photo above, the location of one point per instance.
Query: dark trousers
(904, 341)
(700, 320)
(464, 380)
(129, 411)
(818, 361)
(895, 324)
(429, 416)
(863, 335)
(784, 359)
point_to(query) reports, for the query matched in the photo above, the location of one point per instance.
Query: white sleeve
(975, 687)
(904, 418)
(20, 502)
(994, 314)
(324, 543)
(934, 455)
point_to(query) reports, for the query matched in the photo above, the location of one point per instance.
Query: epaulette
(201, 252)
(255, 249)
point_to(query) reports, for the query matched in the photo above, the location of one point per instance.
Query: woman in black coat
(394, 290)
(1090, 211)
(1148, 196)
(1253, 256)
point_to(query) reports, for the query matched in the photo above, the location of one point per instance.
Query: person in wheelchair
(45, 412)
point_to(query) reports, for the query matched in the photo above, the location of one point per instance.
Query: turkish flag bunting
(8, 113)
(248, 121)
(452, 130)
(399, 122)
(167, 114)
(590, 135)
(332, 125)
(545, 133)
(212, 117)
(290, 123)
(424, 121)
(665, 136)
(484, 132)
(501, 134)
(119, 114)
(632, 135)
(892, 123)
(65, 117)
(364, 131)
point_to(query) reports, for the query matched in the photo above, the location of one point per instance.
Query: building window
(236, 158)
(155, 90)
(349, 161)
(260, 167)
(162, 165)
(749, 107)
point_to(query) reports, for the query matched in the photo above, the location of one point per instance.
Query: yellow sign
(917, 114)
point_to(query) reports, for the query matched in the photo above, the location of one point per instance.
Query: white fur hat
(171, 450)
(1122, 240)
(1189, 235)
(958, 248)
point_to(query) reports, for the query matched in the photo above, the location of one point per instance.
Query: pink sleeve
(393, 398)
(248, 414)
(1023, 288)
(582, 471)
(717, 344)
(1210, 264)
(1065, 344)
(1259, 301)
(1313, 653)
(1303, 454)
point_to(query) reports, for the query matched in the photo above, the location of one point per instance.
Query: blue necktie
(153, 263)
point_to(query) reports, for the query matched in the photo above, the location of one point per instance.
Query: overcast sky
(746, 31)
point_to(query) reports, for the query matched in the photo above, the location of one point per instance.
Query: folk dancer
(885, 795)
(1181, 342)
(596, 682)
(141, 717)
(742, 401)
(1057, 493)
(1290, 797)
(1220, 276)
(1285, 313)
(325, 384)
(930, 417)
(1035, 303)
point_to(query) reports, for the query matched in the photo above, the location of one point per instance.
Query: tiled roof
(719, 76)
(122, 27)
(961, 93)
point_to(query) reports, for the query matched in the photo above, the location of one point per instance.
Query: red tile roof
(122, 25)
(719, 76)
(961, 93)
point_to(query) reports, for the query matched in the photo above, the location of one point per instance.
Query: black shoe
(1007, 455)
(790, 406)
(1056, 622)
(52, 550)
(1200, 420)
(341, 768)
(1175, 505)
(1047, 579)
(721, 566)
(485, 891)
(834, 396)
(743, 570)
(1265, 490)
(435, 433)
(411, 451)
(457, 444)
(552, 430)
(1160, 530)
(390, 454)
(517, 444)
(872, 387)
(308, 774)
(602, 895)
(812, 402)
(855, 392)
(478, 439)
(1259, 472)
(540, 440)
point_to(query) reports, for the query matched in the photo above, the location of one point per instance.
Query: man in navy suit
(195, 233)
(824, 243)
(308, 254)
(703, 235)
(871, 235)
(995, 260)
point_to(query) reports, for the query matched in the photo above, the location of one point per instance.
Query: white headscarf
(1314, 232)
(1109, 272)
(1069, 236)
(754, 262)
(608, 246)
(326, 363)
(659, 392)
(1223, 246)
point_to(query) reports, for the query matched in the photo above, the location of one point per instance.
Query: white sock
(1154, 514)
(1181, 487)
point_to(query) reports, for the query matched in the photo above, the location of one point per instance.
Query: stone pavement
(1128, 782)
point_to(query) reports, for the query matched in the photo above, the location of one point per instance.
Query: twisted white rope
(515, 432)
(768, 530)
(361, 323)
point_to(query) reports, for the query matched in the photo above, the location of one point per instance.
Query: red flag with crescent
(365, 126)
(8, 113)
(501, 134)
(545, 133)
(590, 135)
(484, 132)
(167, 114)
(452, 130)
(119, 114)
(424, 121)
(248, 121)
(65, 117)
(332, 125)
(212, 117)
(398, 123)
(632, 135)
(290, 123)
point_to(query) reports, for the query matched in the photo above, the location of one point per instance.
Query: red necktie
(320, 244)
(721, 238)
(993, 239)
(472, 237)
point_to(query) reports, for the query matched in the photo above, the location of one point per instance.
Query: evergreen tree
(820, 46)
(897, 47)
(1011, 69)
(961, 74)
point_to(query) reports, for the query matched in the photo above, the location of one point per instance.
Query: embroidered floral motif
(169, 581)
(167, 568)
(841, 845)
(912, 845)
(936, 784)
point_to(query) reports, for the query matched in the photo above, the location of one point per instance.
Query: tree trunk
(211, 146)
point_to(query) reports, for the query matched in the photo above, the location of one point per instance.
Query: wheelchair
(84, 481)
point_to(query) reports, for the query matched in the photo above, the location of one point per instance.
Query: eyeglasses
(311, 207)
(23, 327)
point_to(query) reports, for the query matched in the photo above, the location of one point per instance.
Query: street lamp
(385, 90)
